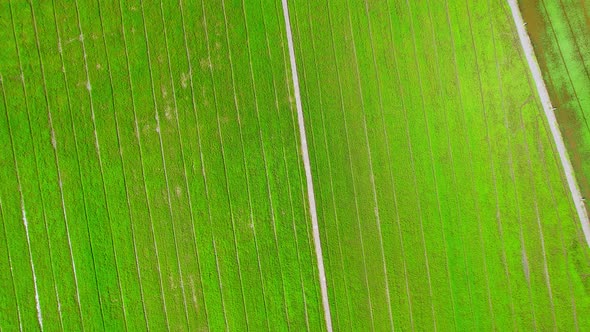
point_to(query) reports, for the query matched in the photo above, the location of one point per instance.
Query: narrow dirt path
(307, 167)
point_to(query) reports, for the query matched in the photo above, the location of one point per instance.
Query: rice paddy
(153, 174)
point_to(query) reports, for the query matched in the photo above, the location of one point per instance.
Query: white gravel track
(308, 176)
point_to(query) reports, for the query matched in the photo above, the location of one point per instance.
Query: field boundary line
(562, 182)
(461, 120)
(164, 164)
(550, 115)
(485, 110)
(431, 153)
(264, 157)
(38, 179)
(52, 135)
(389, 164)
(449, 144)
(400, 90)
(142, 168)
(324, 140)
(529, 154)
(329, 163)
(79, 170)
(100, 163)
(518, 198)
(368, 144)
(22, 199)
(184, 168)
(244, 158)
(295, 132)
(505, 110)
(348, 156)
(58, 171)
(413, 171)
(125, 181)
(553, 148)
(225, 174)
(307, 167)
(205, 185)
(292, 133)
(20, 324)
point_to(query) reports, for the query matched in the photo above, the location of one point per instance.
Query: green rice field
(154, 172)
(157, 166)
(442, 202)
